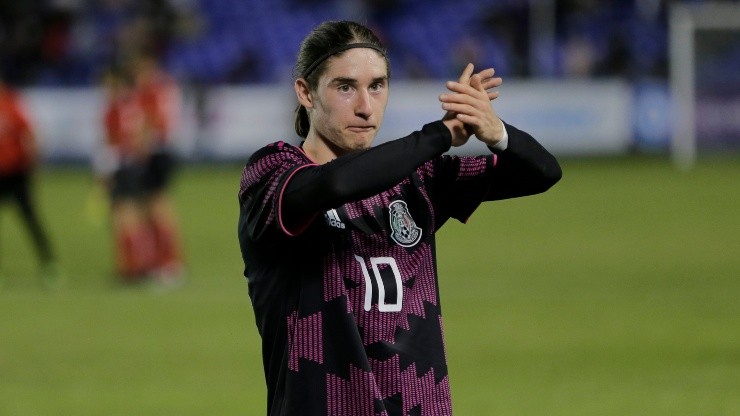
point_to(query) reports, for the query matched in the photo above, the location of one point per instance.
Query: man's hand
(469, 109)
(460, 134)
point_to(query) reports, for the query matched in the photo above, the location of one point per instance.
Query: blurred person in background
(159, 96)
(119, 167)
(136, 165)
(18, 162)
(338, 237)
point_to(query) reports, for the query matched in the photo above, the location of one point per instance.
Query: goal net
(705, 79)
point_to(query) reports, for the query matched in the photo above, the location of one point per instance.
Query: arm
(360, 175)
(366, 173)
(363, 174)
(519, 166)
(524, 168)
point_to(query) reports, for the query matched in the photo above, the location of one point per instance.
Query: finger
(461, 108)
(477, 99)
(489, 83)
(475, 82)
(469, 120)
(467, 72)
(487, 73)
(453, 107)
(448, 115)
(465, 99)
(463, 89)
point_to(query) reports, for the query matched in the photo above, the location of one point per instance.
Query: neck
(320, 151)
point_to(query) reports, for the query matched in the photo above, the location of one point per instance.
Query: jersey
(348, 305)
(161, 100)
(15, 131)
(124, 122)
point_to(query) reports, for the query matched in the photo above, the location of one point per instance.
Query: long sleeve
(362, 174)
(524, 168)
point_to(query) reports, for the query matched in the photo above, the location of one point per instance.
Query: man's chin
(364, 145)
(363, 141)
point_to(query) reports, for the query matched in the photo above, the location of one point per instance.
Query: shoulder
(271, 161)
(277, 154)
(279, 147)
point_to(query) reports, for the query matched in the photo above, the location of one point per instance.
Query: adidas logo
(332, 218)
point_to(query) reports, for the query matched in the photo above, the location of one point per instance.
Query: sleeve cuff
(503, 144)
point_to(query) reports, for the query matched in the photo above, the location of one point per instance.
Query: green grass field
(616, 293)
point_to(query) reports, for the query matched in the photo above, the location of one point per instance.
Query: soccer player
(338, 236)
(119, 167)
(18, 159)
(136, 165)
(160, 98)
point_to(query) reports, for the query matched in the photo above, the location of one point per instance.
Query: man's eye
(344, 88)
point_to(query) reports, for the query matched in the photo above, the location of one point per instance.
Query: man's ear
(303, 92)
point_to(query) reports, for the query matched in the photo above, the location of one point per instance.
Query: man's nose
(363, 107)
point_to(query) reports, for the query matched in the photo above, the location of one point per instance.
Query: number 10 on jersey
(375, 262)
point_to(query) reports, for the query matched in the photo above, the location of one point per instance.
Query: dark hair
(321, 40)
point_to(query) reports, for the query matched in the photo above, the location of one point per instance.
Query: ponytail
(302, 123)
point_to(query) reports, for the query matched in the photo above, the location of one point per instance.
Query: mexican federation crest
(403, 228)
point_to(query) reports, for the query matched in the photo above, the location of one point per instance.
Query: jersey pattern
(348, 309)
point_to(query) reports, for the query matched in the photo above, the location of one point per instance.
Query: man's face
(350, 100)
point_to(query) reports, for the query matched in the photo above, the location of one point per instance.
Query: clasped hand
(469, 109)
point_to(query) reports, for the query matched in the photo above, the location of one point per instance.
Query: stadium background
(615, 293)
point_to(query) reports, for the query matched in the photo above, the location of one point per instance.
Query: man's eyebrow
(344, 80)
(353, 81)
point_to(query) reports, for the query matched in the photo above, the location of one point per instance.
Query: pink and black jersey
(347, 300)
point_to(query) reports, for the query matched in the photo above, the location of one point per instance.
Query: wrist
(501, 139)
(458, 133)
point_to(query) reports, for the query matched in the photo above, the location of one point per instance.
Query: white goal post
(684, 21)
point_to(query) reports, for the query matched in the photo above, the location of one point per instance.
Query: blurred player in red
(119, 166)
(18, 158)
(136, 165)
(159, 96)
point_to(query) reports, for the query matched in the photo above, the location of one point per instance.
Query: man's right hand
(484, 81)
